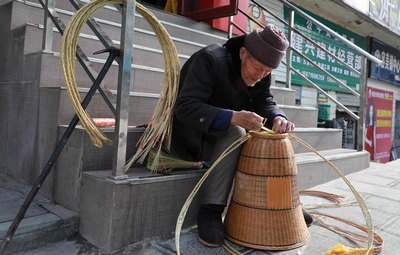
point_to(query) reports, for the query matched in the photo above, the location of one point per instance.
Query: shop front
(329, 115)
(383, 104)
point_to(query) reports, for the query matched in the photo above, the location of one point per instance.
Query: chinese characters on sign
(378, 125)
(389, 69)
(322, 59)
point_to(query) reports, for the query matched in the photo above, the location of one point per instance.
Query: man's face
(251, 69)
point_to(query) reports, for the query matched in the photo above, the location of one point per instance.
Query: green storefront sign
(323, 60)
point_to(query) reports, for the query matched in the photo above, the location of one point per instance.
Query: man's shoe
(210, 228)
(307, 217)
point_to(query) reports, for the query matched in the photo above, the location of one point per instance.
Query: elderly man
(224, 92)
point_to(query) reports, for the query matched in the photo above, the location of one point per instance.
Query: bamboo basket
(265, 212)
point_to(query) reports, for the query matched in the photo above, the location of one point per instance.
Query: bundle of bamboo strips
(158, 133)
(166, 162)
(68, 48)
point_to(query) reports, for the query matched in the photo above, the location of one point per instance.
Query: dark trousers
(216, 188)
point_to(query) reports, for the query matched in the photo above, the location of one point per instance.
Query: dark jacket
(211, 81)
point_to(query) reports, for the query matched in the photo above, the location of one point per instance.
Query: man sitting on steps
(224, 91)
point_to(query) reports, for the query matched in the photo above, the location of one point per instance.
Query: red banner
(378, 125)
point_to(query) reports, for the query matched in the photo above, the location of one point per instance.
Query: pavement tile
(396, 185)
(393, 227)
(64, 248)
(9, 209)
(383, 204)
(32, 223)
(189, 244)
(58, 210)
(391, 244)
(369, 178)
(386, 172)
(331, 238)
(375, 190)
(337, 188)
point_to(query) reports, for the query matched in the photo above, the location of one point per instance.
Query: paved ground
(379, 186)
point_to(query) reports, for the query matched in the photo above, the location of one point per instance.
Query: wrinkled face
(251, 69)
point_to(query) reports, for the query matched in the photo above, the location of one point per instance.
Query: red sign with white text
(378, 124)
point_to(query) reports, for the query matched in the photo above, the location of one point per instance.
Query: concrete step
(149, 191)
(301, 116)
(44, 223)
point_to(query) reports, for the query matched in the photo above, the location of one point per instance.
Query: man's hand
(282, 125)
(247, 120)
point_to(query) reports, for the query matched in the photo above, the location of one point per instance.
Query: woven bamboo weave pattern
(271, 230)
(277, 146)
(258, 165)
(265, 211)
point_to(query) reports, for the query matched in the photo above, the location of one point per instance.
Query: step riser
(327, 140)
(142, 80)
(301, 117)
(140, 109)
(81, 155)
(131, 217)
(318, 172)
(286, 97)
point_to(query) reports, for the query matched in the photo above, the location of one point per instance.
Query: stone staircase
(36, 110)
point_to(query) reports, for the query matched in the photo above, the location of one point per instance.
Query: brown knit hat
(267, 45)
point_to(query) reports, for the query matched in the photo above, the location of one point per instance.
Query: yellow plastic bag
(340, 249)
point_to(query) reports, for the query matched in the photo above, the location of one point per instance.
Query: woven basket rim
(264, 135)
